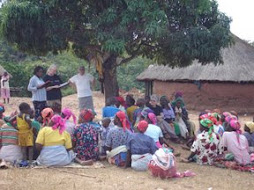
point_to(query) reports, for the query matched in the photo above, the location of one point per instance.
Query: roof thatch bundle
(238, 66)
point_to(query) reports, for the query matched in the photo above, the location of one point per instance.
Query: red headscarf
(122, 117)
(142, 126)
(59, 123)
(47, 114)
(68, 113)
(87, 115)
(121, 100)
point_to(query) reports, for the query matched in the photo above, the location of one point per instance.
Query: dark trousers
(38, 107)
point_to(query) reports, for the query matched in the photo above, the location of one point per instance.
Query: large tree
(109, 33)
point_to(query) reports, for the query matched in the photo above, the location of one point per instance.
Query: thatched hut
(227, 86)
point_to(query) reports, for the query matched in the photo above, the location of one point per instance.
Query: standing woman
(5, 88)
(38, 88)
(54, 94)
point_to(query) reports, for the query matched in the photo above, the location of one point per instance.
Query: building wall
(226, 96)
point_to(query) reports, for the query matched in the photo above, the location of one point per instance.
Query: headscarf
(152, 118)
(207, 123)
(87, 115)
(47, 114)
(142, 126)
(178, 94)
(122, 117)
(59, 123)
(234, 124)
(250, 125)
(229, 118)
(121, 100)
(179, 99)
(68, 113)
(226, 114)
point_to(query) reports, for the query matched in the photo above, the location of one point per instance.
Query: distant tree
(110, 33)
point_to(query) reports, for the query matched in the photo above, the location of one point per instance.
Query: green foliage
(127, 74)
(21, 67)
(171, 32)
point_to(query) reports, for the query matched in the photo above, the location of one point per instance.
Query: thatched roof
(238, 67)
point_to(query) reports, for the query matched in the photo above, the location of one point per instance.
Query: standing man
(83, 83)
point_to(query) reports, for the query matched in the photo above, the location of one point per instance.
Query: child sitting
(25, 131)
(249, 134)
(106, 126)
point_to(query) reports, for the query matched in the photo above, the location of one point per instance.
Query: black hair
(24, 106)
(141, 102)
(132, 101)
(37, 69)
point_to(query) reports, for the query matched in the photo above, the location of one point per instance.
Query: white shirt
(154, 132)
(82, 83)
(5, 84)
(37, 94)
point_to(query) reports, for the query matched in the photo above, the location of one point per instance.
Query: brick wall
(226, 96)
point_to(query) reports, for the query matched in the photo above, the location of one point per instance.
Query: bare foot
(86, 163)
(184, 160)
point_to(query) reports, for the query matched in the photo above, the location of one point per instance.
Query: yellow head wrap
(250, 125)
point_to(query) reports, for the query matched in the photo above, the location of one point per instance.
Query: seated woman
(9, 149)
(85, 139)
(70, 125)
(236, 143)
(110, 109)
(206, 147)
(130, 110)
(169, 114)
(181, 116)
(54, 144)
(153, 130)
(140, 149)
(157, 110)
(249, 134)
(117, 140)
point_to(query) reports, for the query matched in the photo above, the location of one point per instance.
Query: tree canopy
(112, 32)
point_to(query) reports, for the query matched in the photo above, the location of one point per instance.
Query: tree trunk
(111, 87)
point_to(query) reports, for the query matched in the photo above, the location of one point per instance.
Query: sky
(242, 14)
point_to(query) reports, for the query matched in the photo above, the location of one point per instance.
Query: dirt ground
(111, 177)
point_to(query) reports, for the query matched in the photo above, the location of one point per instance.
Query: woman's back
(49, 137)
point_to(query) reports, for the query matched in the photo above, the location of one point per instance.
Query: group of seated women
(130, 134)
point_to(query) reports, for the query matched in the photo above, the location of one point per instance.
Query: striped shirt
(8, 136)
(39, 95)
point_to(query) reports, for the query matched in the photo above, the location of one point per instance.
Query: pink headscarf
(68, 113)
(47, 114)
(153, 118)
(230, 118)
(59, 123)
(237, 127)
(122, 117)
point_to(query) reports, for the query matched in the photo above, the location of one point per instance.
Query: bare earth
(112, 177)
